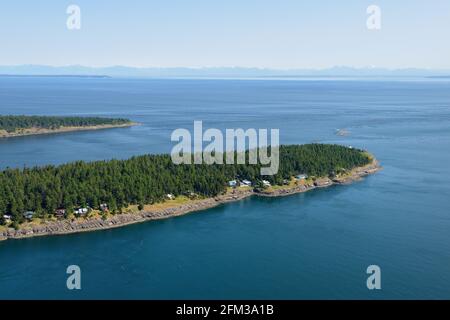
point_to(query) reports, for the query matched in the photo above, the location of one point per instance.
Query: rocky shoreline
(67, 226)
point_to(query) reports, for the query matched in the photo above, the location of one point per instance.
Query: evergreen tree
(147, 179)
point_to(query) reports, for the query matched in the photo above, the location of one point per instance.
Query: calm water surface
(314, 245)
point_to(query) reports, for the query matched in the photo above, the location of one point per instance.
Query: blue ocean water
(313, 245)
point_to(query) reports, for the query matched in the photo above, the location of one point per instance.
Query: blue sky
(246, 33)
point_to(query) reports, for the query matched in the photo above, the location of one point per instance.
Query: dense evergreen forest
(149, 178)
(11, 123)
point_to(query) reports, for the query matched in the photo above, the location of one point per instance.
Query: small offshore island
(17, 126)
(87, 196)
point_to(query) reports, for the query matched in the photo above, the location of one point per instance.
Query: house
(232, 183)
(266, 183)
(302, 176)
(285, 181)
(28, 215)
(170, 196)
(81, 211)
(104, 207)
(246, 183)
(191, 195)
(7, 218)
(60, 213)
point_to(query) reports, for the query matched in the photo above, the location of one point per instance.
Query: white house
(170, 196)
(246, 183)
(81, 211)
(266, 183)
(232, 183)
(7, 218)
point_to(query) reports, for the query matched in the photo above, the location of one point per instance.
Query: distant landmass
(439, 77)
(20, 125)
(214, 72)
(52, 76)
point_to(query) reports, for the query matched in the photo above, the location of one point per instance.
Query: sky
(280, 34)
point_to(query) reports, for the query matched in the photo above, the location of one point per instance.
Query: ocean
(316, 245)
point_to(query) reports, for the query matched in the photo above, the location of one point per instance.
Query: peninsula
(16, 126)
(81, 196)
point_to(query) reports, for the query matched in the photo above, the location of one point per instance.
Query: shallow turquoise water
(313, 245)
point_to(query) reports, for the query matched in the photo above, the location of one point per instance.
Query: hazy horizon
(222, 67)
(220, 72)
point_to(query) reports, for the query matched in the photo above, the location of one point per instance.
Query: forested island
(19, 125)
(142, 183)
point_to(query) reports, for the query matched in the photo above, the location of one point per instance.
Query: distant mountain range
(237, 72)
